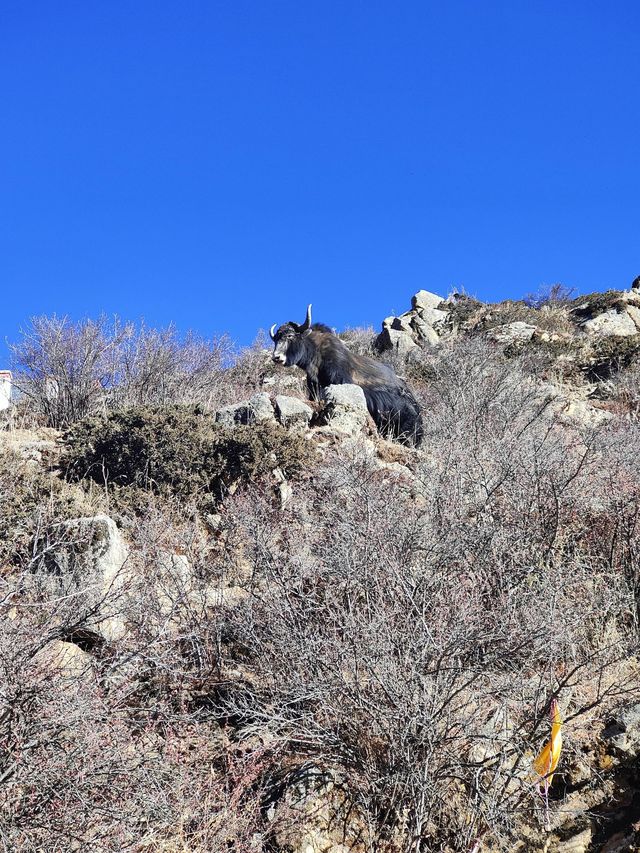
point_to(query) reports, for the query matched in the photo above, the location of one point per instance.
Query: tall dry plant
(66, 370)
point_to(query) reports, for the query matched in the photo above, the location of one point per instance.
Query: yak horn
(307, 322)
(271, 332)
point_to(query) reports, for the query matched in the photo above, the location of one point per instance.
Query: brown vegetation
(177, 451)
(372, 663)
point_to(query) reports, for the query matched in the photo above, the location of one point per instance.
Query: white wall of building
(5, 389)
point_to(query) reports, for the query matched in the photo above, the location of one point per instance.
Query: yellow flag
(547, 760)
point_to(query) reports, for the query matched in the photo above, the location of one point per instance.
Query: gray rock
(257, 409)
(611, 323)
(425, 332)
(624, 731)
(424, 323)
(634, 312)
(261, 407)
(424, 299)
(433, 317)
(66, 661)
(292, 412)
(402, 323)
(400, 342)
(346, 396)
(510, 333)
(284, 382)
(583, 414)
(284, 488)
(90, 566)
(345, 408)
(229, 416)
(286, 494)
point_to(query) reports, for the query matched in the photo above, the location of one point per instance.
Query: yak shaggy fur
(327, 361)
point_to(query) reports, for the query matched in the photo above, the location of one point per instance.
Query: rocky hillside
(233, 619)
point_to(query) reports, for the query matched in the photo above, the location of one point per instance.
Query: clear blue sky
(220, 164)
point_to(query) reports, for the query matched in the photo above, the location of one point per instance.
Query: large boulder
(292, 412)
(397, 341)
(432, 317)
(611, 322)
(511, 333)
(345, 408)
(424, 300)
(90, 568)
(261, 407)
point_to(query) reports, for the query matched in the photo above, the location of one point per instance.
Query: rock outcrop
(423, 325)
(433, 319)
(89, 565)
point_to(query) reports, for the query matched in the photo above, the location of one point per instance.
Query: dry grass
(403, 634)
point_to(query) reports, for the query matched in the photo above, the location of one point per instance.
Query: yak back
(337, 365)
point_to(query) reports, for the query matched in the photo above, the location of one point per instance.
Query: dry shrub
(123, 748)
(94, 755)
(245, 375)
(550, 295)
(360, 340)
(609, 355)
(63, 368)
(158, 367)
(33, 501)
(386, 638)
(404, 633)
(463, 311)
(412, 635)
(592, 304)
(545, 311)
(178, 451)
(625, 388)
(68, 370)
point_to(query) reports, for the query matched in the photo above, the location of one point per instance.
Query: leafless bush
(624, 388)
(416, 655)
(359, 340)
(414, 639)
(32, 504)
(400, 632)
(157, 367)
(550, 295)
(64, 367)
(89, 760)
(118, 749)
(68, 370)
(246, 375)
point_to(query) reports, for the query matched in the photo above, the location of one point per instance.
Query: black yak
(327, 361)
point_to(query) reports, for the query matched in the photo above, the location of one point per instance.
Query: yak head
(287, 340)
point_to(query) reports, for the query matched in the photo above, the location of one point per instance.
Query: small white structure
(5, 389)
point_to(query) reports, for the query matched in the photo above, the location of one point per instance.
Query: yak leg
(313, 387)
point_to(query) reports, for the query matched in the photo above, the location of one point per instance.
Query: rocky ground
(337, 643)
